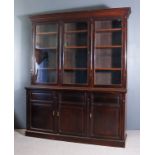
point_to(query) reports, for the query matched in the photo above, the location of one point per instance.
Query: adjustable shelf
(46, 33)
(108, 46)
(108, 69)
(75, 31)
(108, 30)
(74, 69)
(47, 69)
(48, 48)
(74, 47)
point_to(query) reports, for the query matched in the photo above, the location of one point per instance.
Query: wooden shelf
(46, 48)
(76, 31)
(72, 69)
(108, 30)
(108, 69)
(47, 69)
(109, 46)
(69, 47)
(46, 33)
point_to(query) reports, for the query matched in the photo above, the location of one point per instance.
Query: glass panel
(46, 28)
(108, 58)
(75, 58)
(76, 26)
(46, 76)
(108, 38)
(46, 36)
(75, 77)
(45, 58)
(75, 39)
(45, 66)
(107, 77)
(46, 41)
(108, 24)
(108, 52)
(75, 53)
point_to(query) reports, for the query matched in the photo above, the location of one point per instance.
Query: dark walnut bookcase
(79, 71)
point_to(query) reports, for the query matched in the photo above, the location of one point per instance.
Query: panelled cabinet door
(72, 114)
(105, 116)
(42, 111)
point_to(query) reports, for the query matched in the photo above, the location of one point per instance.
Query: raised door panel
(72, 120)
(42, 106)
(72, 110)
(42, 117)
(105, 119)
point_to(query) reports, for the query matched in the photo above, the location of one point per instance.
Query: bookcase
(78, 79)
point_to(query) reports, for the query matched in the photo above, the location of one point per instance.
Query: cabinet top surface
(108, 12)
(123, 90)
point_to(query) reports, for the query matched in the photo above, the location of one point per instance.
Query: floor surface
(36, 146)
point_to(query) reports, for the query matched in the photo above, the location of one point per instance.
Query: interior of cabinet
(75, 77)
(108, 52)
(76, 59)
(72, 113)
(46, 36)
(107, 77)
(75, 64)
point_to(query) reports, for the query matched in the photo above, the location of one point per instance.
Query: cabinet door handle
(57, 114)
(90, 115)
(53, 113)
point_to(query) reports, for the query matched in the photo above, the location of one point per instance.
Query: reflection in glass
(45, 65)
(46, 76)
(46, 58)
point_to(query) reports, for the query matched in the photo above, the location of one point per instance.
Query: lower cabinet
(41, 117)
(105, 115)
(41, 111)
(87, 117)
(72, 109)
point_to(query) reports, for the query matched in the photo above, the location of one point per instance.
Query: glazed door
(108, 53)
(42, 108)
(46, 53)
(105, 116)
(72, 114)
(75, 66)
